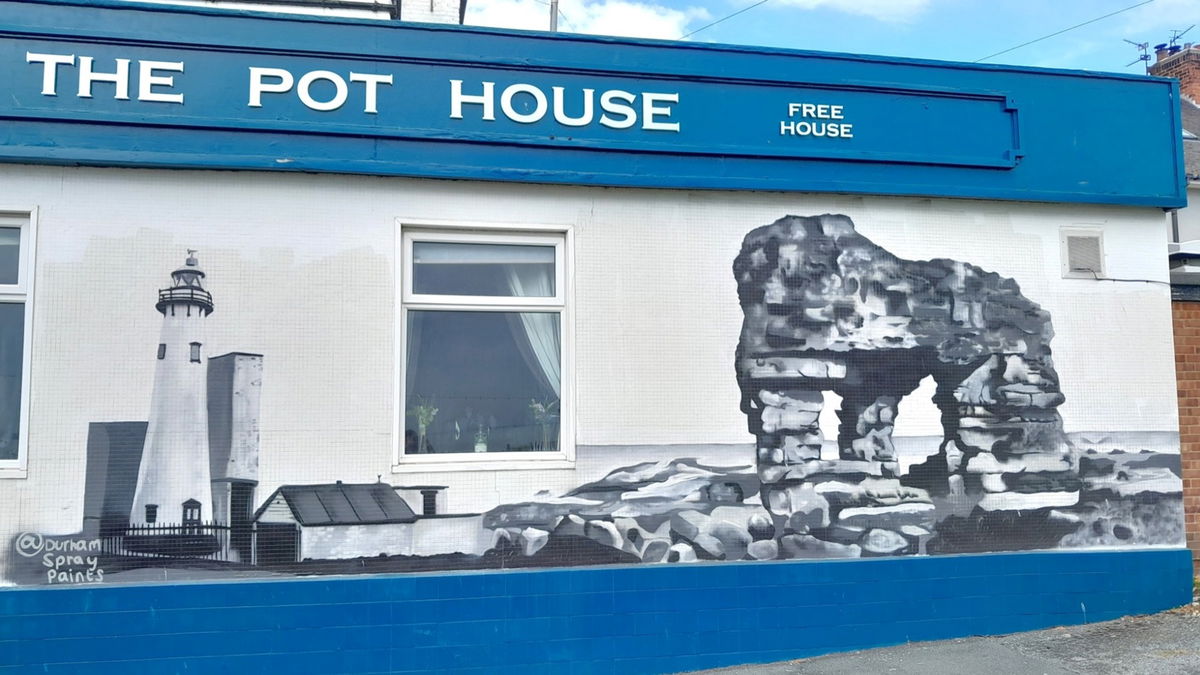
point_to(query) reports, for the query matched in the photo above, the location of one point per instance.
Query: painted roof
(343, 504)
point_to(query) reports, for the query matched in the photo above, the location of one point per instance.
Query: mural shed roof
(344, 504)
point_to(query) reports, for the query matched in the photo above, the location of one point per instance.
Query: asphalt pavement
(1167, 643)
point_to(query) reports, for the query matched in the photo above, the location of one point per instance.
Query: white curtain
(416, 326)
(541, 330)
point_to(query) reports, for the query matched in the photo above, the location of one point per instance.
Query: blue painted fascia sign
(123, 84)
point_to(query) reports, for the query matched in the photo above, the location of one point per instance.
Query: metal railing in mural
(208, 541)
(185, 294)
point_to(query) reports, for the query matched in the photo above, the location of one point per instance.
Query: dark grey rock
(1167, 461)
(760, 527)
(1044, 481)
(656, 550)
(841, 534)
(1095, 466)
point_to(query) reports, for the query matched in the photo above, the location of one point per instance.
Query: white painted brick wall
(301, 270)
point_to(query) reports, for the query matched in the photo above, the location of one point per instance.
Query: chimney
(1181, 63)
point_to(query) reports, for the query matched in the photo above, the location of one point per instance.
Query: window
(191, 512)
(195, 358)
(151, 513)
(16, 292)
(484, 348)
(162, 352)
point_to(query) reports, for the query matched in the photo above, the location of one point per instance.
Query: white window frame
(22, 292)
(561, 237)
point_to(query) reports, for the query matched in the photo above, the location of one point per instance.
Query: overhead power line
(729, 16)
(1078, 25)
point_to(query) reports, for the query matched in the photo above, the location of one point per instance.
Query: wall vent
(1083, 254)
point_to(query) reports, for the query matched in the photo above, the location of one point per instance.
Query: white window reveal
(483, 362)
(16, 296)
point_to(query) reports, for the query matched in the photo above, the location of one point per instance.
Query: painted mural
(827, 316)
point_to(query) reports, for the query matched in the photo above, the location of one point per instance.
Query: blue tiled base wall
(659, 619)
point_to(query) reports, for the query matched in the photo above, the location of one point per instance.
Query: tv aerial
(1144, 48)
(1176, 34)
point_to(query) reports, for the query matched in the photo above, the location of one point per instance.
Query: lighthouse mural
(181, 490)
(174, 479)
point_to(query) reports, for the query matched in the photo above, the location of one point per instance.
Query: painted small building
(300, 523)
(779, 352)
(331, 522)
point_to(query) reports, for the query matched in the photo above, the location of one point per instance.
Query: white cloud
(896, 11)
(1163, 16)
(603, 17)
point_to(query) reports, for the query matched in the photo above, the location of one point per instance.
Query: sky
(951, 30)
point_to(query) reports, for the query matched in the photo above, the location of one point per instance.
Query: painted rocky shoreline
(685, 510)
(682, 511)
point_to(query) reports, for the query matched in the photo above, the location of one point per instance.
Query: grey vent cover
(1083, 255)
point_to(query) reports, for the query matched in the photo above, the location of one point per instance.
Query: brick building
(1183, 64)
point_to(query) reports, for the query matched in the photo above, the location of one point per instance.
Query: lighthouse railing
(185, 293)
(198, 541)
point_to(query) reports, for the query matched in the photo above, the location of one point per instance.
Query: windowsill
(13, 472)
(425, 465)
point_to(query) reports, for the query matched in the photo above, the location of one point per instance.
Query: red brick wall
(1184, 66)
(1187, 368)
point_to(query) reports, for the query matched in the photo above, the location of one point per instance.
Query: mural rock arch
(826, 309)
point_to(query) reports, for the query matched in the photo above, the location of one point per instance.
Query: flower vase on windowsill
(544, 413)
(424, 412)
(481, 439)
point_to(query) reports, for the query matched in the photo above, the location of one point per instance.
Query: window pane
(12, 339)
(10, 254)
(442, 268)
(482, 382)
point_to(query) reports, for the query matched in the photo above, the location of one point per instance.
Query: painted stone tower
(173, 486)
